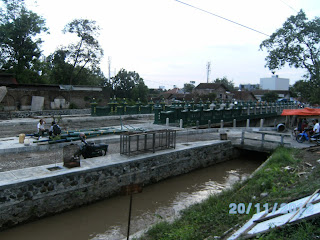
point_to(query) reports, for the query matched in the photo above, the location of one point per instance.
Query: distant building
(221, 91)
(244, 96)
(249, 87)
(173, 94)
(274, 83)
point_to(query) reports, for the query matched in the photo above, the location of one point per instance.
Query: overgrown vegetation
(278, 181)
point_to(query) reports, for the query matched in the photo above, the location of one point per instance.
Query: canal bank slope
(288, 174)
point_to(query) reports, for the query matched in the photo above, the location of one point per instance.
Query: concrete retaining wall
(29, 114)
(31, 198)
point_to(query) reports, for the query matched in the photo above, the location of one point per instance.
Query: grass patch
(278, 181)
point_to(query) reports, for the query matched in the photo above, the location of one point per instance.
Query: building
(244, 96)
(274, 83)
(249, 87)
(221, 91)
(173, 94)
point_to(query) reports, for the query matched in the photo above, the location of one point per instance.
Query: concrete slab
(30, 172)
(7, 176)
(37, 103)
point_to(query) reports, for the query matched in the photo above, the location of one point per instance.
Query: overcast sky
(169, 43)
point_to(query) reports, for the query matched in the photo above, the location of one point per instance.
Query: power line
(288, 6)
(221, 17)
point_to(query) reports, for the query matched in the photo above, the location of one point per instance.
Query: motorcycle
(89, 150)
(301, 137)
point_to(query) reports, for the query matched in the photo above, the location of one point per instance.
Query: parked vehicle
(284, 100)
(301, 137)
(89, 150)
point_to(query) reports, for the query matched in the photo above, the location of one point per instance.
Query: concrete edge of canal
(32, 193)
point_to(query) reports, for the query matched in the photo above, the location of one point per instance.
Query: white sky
(169, 43)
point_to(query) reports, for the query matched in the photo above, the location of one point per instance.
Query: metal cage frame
(150, 141)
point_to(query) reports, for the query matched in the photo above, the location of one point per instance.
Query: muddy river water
(108, 219)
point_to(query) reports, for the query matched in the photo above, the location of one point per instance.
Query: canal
(107, 219)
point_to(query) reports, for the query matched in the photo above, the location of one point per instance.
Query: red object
(301, 112)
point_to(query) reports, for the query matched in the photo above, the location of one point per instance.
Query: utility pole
(208, 71)
(109, 64)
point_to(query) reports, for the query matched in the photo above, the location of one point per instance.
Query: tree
(86, 53)
(296, 44)
(140, 91)
(188, 87)
(124, 83)
(19, 45)
(270, 97)
(58, 71)
(229, 84)
(302, 89)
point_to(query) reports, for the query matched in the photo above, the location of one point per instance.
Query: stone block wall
(20, 98)
(27, 200)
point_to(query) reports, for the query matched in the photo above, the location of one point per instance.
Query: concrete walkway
(33, 173)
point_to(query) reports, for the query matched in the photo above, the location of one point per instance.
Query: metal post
(129, 219)
(154, 142)
(137, 142)
(234, 123)
(121, 142)
(242, 138)
(261, 122)
(262, 139)
(129, 145)
(248, 122)
(181, 123)
(221, 123)
(167, 121)
(197, 124)
(209, 123)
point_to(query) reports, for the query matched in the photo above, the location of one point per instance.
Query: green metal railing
(191, 113)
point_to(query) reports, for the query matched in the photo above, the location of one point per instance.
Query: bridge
(264, 141)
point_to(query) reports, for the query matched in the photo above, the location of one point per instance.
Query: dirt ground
(310, 157)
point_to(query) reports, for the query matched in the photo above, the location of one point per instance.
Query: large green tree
(86, 53)
(302, 89)
(188, 87)
(129, 85)
(19, 42)
(224, 80)
(59, 71)
(297, 44)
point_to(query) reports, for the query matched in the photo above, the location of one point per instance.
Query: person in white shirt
(316, 127)
(41, 128)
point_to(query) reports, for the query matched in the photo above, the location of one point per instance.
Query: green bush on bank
(278, 179)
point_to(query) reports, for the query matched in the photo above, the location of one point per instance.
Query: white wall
(274, 83)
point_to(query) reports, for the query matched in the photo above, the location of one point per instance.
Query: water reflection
(108, 219)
